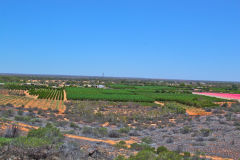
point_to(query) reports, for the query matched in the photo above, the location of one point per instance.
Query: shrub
(101, 132)
(61, 123)
(48, 136)
(212, 139)
(176, 108)
(87, 130)
(141, 146)
(97, 132)
(164, 154)
(169, 140)
(147, 140)
(121, 144)
(187, 154)
(124, 130)
(73, 125)
(114, 134)
(236, 123)
(23, 118)
(144, 155)
(49, 133)
(40, 111)
(205, 132)
(9, 105)
(8, 113)
(161, 149)
(169, 155)
(12, 132)
(120, 157)
(31, 142)
(186, 130)
(4, 141)
(20, 112)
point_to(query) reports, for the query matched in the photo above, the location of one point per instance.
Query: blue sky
(173, 39)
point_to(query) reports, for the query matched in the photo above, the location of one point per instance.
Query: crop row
(53, 94)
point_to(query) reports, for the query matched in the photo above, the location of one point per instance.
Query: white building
(100, 86)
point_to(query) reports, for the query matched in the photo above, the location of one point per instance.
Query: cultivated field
(20, 101)
(52, 94)
(150, 94)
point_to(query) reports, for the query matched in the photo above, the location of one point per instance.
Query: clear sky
(172, 39)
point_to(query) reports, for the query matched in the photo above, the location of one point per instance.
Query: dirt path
(65, 96)
(216, 158)
(197, 112)
(111, 142)
(192, 111)
(160, 103)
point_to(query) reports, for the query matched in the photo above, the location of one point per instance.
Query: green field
(124, 93)
(105, 94)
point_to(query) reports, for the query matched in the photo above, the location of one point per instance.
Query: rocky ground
(216, 134)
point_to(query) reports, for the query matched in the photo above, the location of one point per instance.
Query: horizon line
(108, 77)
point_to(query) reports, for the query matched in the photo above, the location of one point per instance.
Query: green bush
(121, 144)
(120, 157)
(23, 118)
(20, 112)
(186, 130)
(141, 146)
(175, 108)
(4, 141)
(161, 149)
(73, 125)
(169, 155)
(205, 132)
(144, 155)
(124, 130)
(41, 137)
(31, 142)
(49, 133)
(151, 155)
(187, 154)
(97, 132)
(147, 140)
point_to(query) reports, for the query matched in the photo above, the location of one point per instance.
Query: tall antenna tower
(103, 75)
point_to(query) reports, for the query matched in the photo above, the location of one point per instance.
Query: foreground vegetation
(161, 153)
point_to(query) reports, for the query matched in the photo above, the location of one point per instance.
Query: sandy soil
(111, 142)
(197, 112)
(160, 103)
(65, 96)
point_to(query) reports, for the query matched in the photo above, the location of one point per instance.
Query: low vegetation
(162, 153)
